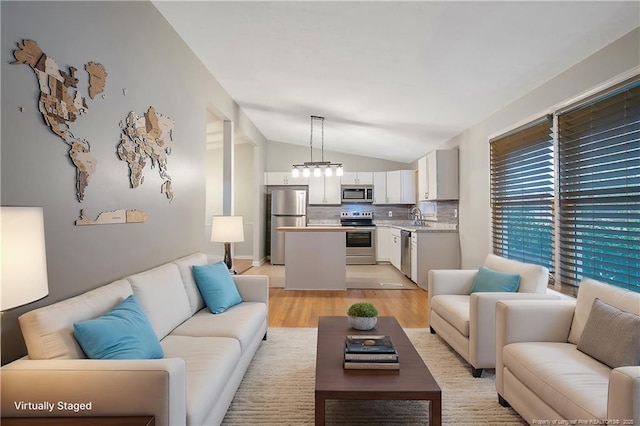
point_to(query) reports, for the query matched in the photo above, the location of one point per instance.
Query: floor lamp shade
(24, 258)
(227, 230)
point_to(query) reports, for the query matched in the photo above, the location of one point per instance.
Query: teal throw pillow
(123, 333)
(488, 280)
(216, 286)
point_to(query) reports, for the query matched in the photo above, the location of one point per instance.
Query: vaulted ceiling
(392, 79)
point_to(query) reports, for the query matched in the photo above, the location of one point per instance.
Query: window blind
(599, 190)
(522, 194)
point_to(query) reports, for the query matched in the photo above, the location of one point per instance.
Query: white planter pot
(363, 323)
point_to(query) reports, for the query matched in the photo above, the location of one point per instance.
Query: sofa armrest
(530, 321)
(113, 387)
(623, 400)
(533, 320)
(482, 324)
(451, 281)
(253, 288)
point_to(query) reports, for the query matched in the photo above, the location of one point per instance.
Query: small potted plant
(362, 316)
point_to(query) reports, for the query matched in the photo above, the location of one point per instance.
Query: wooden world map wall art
(61, 104)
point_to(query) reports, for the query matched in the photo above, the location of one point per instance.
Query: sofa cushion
(184, 266)
(488, 280)
(48, 331)
(611, 336)
(533, 278)
(239, 322)
(162, 296)
(122, 333)
(569, 381)
(210, 363)
(454, 308)
(216, 286)
(589, 289)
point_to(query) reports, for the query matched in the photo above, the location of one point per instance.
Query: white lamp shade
(227, 229)
(24, 257)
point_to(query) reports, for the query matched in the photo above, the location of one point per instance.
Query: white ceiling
(392, 79)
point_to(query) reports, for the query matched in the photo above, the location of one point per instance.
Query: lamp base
(227, 256)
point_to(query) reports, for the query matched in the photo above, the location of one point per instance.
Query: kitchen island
(315, 257)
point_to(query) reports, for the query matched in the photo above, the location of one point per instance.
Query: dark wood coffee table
(412, 381)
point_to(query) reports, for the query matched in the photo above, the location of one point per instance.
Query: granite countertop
(431, 226)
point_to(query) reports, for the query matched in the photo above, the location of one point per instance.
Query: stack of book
(375, 352)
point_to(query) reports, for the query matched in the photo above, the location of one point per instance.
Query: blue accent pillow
(489, 280)
(123, 333)
(216, 286)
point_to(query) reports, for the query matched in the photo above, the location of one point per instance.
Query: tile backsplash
(436, 211)
(445, 212)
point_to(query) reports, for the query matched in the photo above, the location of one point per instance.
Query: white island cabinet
(315, 257)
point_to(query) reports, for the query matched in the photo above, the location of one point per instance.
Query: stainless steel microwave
(357, 193)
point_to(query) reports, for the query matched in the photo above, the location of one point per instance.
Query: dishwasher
(405, 252)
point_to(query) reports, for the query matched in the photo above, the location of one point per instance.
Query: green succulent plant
(362, 309)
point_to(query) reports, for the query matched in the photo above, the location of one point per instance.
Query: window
(596, 229)
(599, 189)
(522, 194)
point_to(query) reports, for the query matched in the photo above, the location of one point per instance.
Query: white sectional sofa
(547, 379)
(205, 355)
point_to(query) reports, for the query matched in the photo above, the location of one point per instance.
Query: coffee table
(412, 381)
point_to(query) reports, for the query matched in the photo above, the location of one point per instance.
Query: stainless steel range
(361, 242)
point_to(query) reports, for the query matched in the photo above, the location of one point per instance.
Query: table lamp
(24, 257)
(227, 230)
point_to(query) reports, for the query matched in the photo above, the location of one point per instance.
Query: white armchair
(467, 321)
(543, 372)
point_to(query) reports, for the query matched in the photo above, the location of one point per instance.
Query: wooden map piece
(113, 217)
(28, 52)
(97, 78)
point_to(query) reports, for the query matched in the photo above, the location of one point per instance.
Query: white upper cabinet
(325, 190)
(357, 178)
(438, 175)
(284, 178)
(401, 187)
(380, 188)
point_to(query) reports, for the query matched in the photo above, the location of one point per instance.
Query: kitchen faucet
(416, 215)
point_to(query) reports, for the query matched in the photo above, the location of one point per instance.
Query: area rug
(278, 388)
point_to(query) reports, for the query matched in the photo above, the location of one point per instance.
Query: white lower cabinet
(434, 250)
(396, 248)
(414, 257)
(383, 243)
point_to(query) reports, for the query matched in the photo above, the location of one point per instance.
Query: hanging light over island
(318, 166)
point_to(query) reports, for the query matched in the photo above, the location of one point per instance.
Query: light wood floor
(291, 308)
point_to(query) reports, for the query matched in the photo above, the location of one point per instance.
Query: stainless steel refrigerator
(288, 208)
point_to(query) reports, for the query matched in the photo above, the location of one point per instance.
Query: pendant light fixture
(317, 167)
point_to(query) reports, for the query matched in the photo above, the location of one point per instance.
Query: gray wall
(142, 54)
(475, 216)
